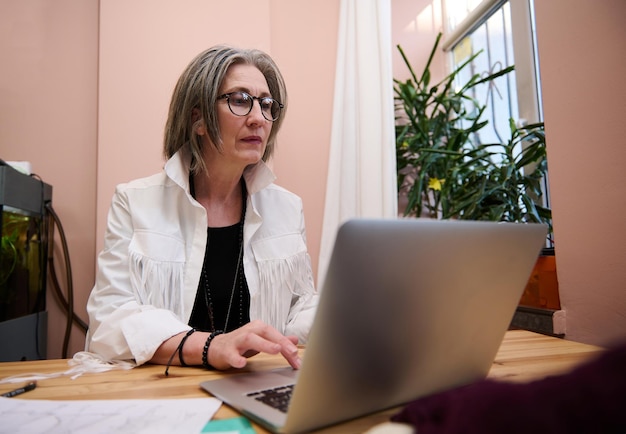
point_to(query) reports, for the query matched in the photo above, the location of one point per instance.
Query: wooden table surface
(523, 356)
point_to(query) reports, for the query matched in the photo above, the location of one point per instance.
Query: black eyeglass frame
(227, 96)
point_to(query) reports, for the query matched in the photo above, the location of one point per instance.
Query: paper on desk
(151, 416)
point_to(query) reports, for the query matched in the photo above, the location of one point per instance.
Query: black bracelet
(179, 351)
(205, 351)
(180, 347)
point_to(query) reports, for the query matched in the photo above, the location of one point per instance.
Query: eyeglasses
(240, 104)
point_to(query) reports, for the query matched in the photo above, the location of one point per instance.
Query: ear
(197, 123)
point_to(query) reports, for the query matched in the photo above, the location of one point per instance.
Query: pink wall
(84, 88)
(304, 43)
(415, 25)
(583, 65)
(48, 116)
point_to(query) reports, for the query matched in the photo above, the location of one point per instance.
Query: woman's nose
(256, 114)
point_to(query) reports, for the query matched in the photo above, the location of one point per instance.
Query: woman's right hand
(234, 348)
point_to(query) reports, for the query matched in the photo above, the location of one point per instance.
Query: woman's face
(244, 137)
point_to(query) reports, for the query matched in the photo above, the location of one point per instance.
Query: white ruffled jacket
(149, 268)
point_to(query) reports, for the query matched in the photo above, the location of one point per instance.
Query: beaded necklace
(238, 277)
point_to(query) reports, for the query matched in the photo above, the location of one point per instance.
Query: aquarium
(22, 256)
(23, 265)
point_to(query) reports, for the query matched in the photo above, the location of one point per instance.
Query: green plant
(8, 256)
(442, 169)
(505, 181)
(14, 227)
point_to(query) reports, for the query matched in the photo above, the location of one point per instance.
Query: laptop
(409, 307)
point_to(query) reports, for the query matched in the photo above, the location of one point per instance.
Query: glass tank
(22, 264)
(24, 217)
(24, 247)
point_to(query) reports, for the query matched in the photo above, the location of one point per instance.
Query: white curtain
(362, 166)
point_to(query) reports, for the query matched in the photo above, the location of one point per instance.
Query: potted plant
(445, 172)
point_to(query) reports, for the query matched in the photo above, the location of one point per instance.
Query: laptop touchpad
(287, 372)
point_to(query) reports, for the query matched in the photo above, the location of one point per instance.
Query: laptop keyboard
(277, 397)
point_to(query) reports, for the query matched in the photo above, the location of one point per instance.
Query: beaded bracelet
(205, 351)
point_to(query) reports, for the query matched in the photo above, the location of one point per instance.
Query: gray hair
(198, 87)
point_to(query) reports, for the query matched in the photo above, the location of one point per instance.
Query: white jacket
(149, 268)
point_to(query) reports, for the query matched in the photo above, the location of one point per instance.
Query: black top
(216, 283)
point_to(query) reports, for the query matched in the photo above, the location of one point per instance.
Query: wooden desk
(523, 356)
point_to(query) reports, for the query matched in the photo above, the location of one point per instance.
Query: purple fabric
(589, 399)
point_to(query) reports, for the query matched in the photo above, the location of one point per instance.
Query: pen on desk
(12, 393)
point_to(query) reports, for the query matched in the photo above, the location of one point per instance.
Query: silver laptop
(409, 307)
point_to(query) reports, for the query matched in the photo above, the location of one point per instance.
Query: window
(505, 32)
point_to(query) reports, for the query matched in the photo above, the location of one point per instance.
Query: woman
(205, 263)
